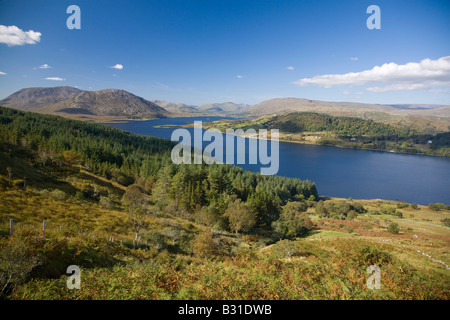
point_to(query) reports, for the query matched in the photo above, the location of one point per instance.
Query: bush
(393, 228)
(17, 260)
(58, 195)
(415, 206)
(285, 249)
(402, 205)
(292, 223)
(352, 215)
(358, 207)
(106, 202)
(398, 214)
(79, 196)
(446, 222)
(436, 206)
(203, 245)
(155, 239)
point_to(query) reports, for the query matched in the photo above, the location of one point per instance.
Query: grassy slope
(329, 262)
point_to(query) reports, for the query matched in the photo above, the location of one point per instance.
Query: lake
(338, 172)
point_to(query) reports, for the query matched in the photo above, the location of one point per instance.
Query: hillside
(72, 102)
(348, 132)
(428, 118)
(30, 99)
(140, 227)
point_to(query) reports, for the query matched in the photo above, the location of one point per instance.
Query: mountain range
(115, 104)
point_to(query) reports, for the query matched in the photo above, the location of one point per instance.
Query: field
(180, 259)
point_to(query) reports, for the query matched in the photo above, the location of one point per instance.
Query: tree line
(220, 196)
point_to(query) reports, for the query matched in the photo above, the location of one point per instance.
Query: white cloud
(45, 66)
(117, 66)
(290, 68)
(3, 73)
(13, 36)
(399, 87)
(239, 76)
(411, 76)
(55, 79)
(354, 58)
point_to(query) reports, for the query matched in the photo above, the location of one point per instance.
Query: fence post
(44, 225)
(11, 227)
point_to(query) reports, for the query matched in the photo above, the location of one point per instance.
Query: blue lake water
(339, 172)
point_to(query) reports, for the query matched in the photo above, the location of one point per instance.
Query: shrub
(292, 223)
(398, 214)
(285, 249)
(436, 206)
(106, 202)
(415, 206)
(17, 260)
(352, 215)
(58, 195)
(79, 196)
(358, 207)
(155, 239)
(393, 228)
(446, 222)
(203, 245)
(402, 205)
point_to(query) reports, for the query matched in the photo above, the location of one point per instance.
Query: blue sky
(199, 52)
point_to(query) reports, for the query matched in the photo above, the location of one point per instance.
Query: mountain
(176, 107)
(68, 101)
(355, 109)
(417, 106)
(34, 98)
(288, 105)
(435, 112)
(226, 107)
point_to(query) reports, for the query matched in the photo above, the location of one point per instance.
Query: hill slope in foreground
(74, 103)
(141, 228)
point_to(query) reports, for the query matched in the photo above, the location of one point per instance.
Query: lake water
(339, 172)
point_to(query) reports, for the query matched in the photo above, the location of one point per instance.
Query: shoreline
(190, 125)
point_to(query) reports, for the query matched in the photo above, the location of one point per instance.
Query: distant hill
(288, 105)
(68, 101)
(226, 107)
(216, 108)
(175, 107)
(417, 106)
